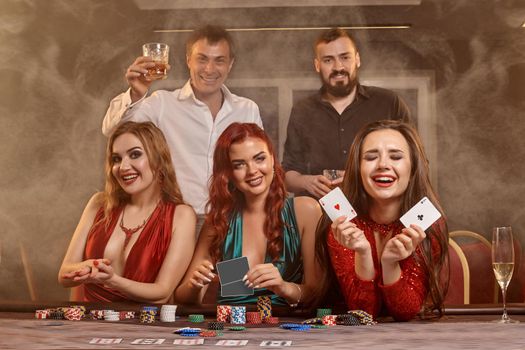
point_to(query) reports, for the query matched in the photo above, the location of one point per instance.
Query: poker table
(463, 327)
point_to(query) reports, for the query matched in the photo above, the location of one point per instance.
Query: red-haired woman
(381, 266)
(250, 215)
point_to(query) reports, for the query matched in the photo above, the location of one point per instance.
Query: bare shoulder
(308, 205)
(94, 203)
(184, 215)
(307, 209)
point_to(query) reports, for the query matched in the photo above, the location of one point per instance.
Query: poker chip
(271, 320)
(316, 320)
(168, 313)
(223, 313)
(319, 326)
(196, 318)
(329, 320)
(208, 334)
(56, 315)
(237, 328)
(348, 320)
(111, 315)
(323, 312)
(97, 314)
(42, 314)
(264, 306)
(189, 334)
(364, 317)
(253, 318)
(126, 315)
(295, 326)
(73, 314)
(216, 326)
(187, 330)
(238, 315)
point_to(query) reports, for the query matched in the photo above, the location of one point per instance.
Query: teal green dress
(290, 263)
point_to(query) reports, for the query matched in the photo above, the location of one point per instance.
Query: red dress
(145, 258)
(402, 299)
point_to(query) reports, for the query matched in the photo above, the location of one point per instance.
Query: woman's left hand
(264, 276)
(100, 273)
(401, 246)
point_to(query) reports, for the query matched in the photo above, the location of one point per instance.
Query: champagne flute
(503, 263)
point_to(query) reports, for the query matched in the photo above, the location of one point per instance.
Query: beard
(340, 89)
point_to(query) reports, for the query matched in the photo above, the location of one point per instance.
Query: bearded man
(322, 127)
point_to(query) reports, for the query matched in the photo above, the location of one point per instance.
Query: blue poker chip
(295, 326)
(189, 334)
(187, 330)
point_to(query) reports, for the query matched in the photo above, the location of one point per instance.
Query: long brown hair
(418, 186)
(159, 158)
(225, 200)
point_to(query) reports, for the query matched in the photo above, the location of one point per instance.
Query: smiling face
(130, 165)
(385, 165)
(209, 65)
(337, 63)
(252, 166)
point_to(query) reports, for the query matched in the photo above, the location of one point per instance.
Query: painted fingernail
(211, 275)
(210, 267)
(207, 279)
(95, 262)
(245, 277)
(250, 285)
(256, 287)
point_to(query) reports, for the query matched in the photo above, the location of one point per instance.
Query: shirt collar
(187, 93)
(361, 92)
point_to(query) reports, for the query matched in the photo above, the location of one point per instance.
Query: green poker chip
(320, 326)
(237, 328)
(196, 318)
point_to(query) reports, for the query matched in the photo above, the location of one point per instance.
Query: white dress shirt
(189, 128)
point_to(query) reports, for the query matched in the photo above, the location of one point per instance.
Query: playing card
(231, 273)
(335, 205)
(423, 214)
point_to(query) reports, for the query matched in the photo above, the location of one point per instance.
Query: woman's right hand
(349, 235)
(87, 271)
(202, 275)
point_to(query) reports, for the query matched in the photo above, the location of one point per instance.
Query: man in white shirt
(193, 117)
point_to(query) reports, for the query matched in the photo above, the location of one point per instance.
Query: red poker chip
(271, 320)
(208, 334)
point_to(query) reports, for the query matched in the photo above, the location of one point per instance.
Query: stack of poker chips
(224, 313)
(295, 326)
(111, 315)
(238, 315)
(56, 314)
(167, 313)
(82, 309)
(329, 320)
(42, 314)
(323, 312)
(73, 314)
(253, 317)
(97, 314)
(364, 317)
(264, 306)
(216, 326)
(188, 332)
(316, 320)
(347, 320)
(127, 315)
(147, 314)
(196, 318)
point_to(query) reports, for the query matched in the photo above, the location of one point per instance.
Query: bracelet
(300, 296)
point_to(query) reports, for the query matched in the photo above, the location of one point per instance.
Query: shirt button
(344, 151)
(342, 129)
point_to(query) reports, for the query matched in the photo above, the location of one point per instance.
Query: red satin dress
(145, 258)
(402, 299)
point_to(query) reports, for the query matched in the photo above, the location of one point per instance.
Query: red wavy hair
(225, 200)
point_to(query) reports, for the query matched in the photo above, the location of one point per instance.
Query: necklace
(130, 231)
(383, 229)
